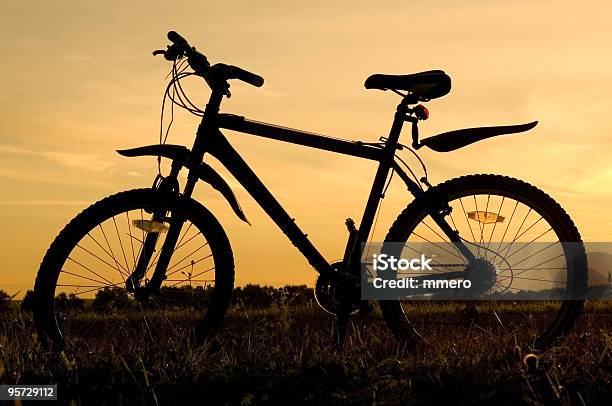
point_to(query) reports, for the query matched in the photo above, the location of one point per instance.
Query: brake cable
(161, 125)
(177, 95)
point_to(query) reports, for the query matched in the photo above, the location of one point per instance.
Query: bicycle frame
(211, 140)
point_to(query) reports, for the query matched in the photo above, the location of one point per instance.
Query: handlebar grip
(175, 38)
(246, 76)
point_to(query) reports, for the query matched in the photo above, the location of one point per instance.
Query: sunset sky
(79, 81)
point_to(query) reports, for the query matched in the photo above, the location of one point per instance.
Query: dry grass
(283, 355)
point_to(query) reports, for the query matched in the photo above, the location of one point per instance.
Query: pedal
(350, 225)
(350, 243)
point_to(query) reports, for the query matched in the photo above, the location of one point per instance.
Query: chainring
(326, 292)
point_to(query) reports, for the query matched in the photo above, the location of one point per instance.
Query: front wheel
(82, 297)
(503, 218)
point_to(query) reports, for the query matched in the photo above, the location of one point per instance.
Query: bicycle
(143, 273)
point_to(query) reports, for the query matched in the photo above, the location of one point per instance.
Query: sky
(79, 81)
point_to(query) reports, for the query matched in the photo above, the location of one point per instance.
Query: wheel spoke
(434, 261)
(439, 246)
(90, 270)
(541, 263)
(480, 225)
(123, 275)
(187, 256)
(112, 254)
(501, 241)
(534, 279)
(444, 239)
(507, 248)
(120, 243)
(174, 251)
(95, 288)
(119, 266)
(127, 213)
(530, 242)
(82, 277)
(467, 220)
(495, 223)
(187, 266)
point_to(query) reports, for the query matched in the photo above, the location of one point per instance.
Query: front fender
(173, 152)
(212, 177)
(179, 153)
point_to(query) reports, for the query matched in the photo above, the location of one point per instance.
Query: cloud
(75, 160)
(44, 203)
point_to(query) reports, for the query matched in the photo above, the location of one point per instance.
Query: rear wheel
(81, 291)
(508, 217)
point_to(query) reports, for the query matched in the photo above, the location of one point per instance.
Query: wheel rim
(92, 305)
(525, 221)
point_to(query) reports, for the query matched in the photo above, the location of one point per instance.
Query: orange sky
(79, 82)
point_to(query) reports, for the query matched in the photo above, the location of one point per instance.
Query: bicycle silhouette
(152, 249)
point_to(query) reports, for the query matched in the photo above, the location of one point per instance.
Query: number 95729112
(28, 392)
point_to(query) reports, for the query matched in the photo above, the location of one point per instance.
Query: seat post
(398, 123)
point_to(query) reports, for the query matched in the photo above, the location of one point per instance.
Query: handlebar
(235, 72)
(199, 63)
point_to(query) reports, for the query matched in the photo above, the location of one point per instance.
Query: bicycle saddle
(425, 86)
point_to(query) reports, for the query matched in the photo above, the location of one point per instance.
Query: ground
(283, 354)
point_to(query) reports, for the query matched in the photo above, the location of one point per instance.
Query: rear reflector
(485, 217)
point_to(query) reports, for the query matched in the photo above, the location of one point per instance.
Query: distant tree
(27, 304)
(174, 296)
(5, 302)
(254, 295)
(202, 295)
(111, 298)
(296, 295)
(64, 302)
(264, 296)
(185, 296)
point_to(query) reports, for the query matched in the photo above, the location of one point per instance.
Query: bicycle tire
(47, 326)
(545, 205)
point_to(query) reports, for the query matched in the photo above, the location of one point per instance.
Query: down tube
(222, 150)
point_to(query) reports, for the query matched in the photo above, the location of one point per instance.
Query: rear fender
(453, 140)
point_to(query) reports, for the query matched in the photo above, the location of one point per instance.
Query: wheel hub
(482, 274)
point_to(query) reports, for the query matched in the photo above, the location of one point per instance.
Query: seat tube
(378, 185)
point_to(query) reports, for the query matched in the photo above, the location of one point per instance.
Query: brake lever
(171, 54)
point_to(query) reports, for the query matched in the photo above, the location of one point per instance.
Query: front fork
(207, 128)
(133, 282)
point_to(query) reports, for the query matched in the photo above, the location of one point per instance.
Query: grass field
(283, 354)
